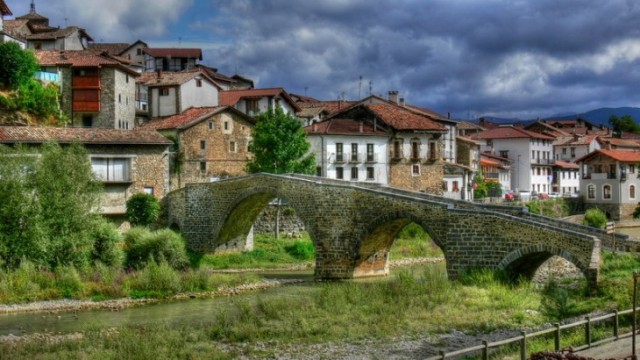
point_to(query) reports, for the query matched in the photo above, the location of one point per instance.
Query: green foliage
(636, 212)
(556, 208)
(485, 188)
(158, 279)
(595, 217)
(164, 245)
(7, 103)
(48, 203)
(37, 99)
(623, 124)
(142, 209)
(106, 244)
(280, 145)
(555, 302)
(302, 250)
(68, 281)
(17, 66)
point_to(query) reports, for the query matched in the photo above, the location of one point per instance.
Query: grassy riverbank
(410, 305)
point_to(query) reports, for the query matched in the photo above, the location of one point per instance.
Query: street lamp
(518, 174)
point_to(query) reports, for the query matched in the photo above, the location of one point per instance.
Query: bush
(164, 245)
(37, 99)
(594, 217)
(636, 212)
(157, 278)
(17, 66)
(301, 250)
(142, 209)
(68, 281)
(106, 244)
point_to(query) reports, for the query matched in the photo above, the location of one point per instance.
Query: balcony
(542, 161)
(341, 158)
(491, 175)
(355, 158)
(86, 106)
(86, 82)
(371, 158)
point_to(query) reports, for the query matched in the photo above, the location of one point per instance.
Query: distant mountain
(601, 116)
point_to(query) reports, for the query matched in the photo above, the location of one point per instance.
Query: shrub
(106, 241)
(636, 212)
(163, 245)
(302, 250)
(17, 66)
(142, 209)
(594, 217)
(68, 281)
(37, 99)
(158, 278)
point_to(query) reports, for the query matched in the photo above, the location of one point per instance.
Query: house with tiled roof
(7, 26)
(566, 178)
(227, 82)
(413, 150)
(350, 149)
(531, 154)
(466, 128)
(96, 90)
(126, 162)
(171, 59)
(618, 143)
(496, 168)
(212, 143)
(609, 180)
(571, 147)
(170, 93)
(256, 101)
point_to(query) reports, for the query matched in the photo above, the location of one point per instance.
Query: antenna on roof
(360, 88)
(33, 6)
(370, 87)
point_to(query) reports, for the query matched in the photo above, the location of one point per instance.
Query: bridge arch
(372, 248)
(527, 260)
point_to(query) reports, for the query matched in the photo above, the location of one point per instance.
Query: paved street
(620, 349)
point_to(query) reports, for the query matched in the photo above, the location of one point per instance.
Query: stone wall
(218, 157)
(429, 180)
(289, 223)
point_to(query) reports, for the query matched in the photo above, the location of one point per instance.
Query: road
(620, 349)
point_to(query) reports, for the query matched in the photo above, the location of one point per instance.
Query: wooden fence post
(556, 339)
(523, 346)
(587, 333)
(485, 350)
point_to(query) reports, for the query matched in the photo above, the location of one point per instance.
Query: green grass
(413, 242)
(409, 304)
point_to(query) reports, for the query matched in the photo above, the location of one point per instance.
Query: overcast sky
(509, 58)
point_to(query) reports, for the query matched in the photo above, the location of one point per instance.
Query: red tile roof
(174, 52)
(80, 58)
(173, 78)
(466, 125)
(489, 162)
(344, 127)
(401, 118)
(566, 165)
(184, 120)
(576, 140)
(58, 33)
(509, 132)
(617, 142)
(4, 9)
(38, 135)
(427, 112)
(110, 48)
(232, 97)
(496, 157)
(629, 156)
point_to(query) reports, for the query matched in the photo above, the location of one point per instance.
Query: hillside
(597, 116)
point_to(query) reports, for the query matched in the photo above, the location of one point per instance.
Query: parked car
(524, 195)
(510, 196)
(543, 196)
(554, 194)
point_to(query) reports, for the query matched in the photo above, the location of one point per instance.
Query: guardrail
(521, 340)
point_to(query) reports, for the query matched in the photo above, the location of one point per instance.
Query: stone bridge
(353, 226)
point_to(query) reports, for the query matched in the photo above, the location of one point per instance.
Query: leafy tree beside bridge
(280, 145)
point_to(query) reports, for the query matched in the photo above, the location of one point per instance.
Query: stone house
(255, 101)
(96, 90)
(349, 149)
(414, 148)
(171, 93)
(127, 162)
(171, 59)
(212, 143)
(39, 35)
(609, 180)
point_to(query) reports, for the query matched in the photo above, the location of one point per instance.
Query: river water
(175, 312)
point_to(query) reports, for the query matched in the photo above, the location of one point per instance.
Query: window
(455, 187)
(370, 157)
(415, 149)
(139, 51)
(533, 154)
(632, 191)
(203, 166)
(198, 83)
(232, 146)
(339, 152)
(252, 105)
(606, 192)
(164, 91)
(120, 98)
(397, 149)
(354, 152)
(339, 173)
(127, 77)
(87, 121)
(370, 173)
(563, 175)
(591, 192)
(318, 171)
(432, 151)
(445, 186)
(504, 154)
(415, 169)
(632, 168)
(573, 152)
(354, 173)
(212, 125)
(203, 144)
(564, 151)
(148, 190)
(111, 169)
(226, 125)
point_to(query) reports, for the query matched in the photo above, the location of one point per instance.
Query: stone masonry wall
(351, 226)
(430, 178)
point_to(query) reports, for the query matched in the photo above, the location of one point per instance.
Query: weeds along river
(192, 311)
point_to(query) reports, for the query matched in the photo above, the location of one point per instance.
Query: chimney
(314, 127)
(402, 102)
(159, 72)
(576, 137)
(360, 127)
(393, 96)
(607, 145)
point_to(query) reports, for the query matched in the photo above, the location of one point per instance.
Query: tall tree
(622, 124)
(280, 145)
(17, 66)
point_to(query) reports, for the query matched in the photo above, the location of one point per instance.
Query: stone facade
(226, 137)
(353, 227)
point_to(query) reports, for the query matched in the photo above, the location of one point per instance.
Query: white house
(348, 149)
(6, 36)
(171, 59)
(255, 101)
(571, 148)
(171, 93)
(609, 180)
(566, 178)
(529, 152)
